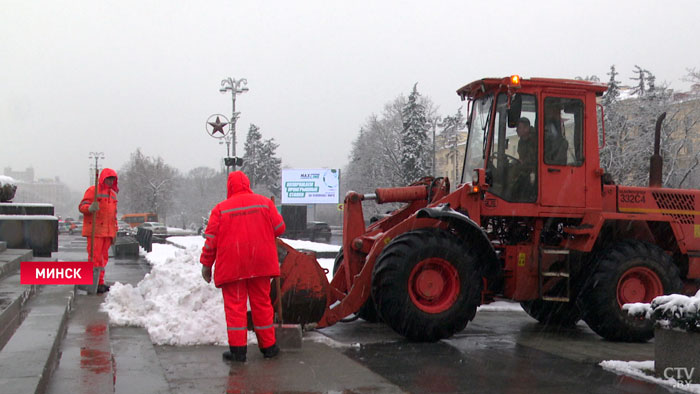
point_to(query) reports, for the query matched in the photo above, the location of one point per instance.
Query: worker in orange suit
(240, 244)
(100, 210)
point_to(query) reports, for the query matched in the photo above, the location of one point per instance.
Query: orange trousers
(235, 296)
(101, 252)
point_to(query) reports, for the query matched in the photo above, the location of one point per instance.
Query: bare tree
(630, 131)
(147, 185)
(197, 193)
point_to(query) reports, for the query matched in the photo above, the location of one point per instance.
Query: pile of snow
(173, 303)
(179, 231)
(644, 370)
(6, 180)
(672, 311)
(8, 187)
(188, 242)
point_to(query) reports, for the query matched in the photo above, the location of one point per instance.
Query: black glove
(206, 273)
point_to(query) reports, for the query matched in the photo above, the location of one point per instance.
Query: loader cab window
(512, 163)
(563, 131)
(476, 141)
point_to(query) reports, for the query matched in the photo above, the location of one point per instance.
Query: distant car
(75, 227)
(124, 227)
(318, 231)
(63, 227)
(158, 228)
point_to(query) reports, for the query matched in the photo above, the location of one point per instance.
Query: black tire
(402, 277)
(628, 271)
(552, 313)
(367, 311)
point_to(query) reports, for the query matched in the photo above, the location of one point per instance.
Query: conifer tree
(270, 174)
(640, 89)
(252, 155)
(414, 153)
(613, 92)
(260, 163)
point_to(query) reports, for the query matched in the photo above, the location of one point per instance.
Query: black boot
(236, 353)
(270, 352)
(102, 289)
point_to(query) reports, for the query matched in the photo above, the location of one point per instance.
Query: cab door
(562, 178)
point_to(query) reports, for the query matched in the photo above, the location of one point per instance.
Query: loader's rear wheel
(629, 271)
(426, 285)
(367, 311)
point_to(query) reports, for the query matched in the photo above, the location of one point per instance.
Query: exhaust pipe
(656, 163)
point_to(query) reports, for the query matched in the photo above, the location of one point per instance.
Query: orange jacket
(106, 222)
(240, 235)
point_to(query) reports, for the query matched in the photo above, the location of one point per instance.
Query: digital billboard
(310, 186)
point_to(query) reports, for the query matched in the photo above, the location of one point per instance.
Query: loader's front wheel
(426, 285)
(629, 271)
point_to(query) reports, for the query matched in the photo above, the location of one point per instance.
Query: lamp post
(436, 122)
(236, 86)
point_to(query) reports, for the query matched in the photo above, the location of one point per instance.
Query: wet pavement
(506, 352)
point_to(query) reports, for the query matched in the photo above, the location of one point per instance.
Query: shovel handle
(279, 300)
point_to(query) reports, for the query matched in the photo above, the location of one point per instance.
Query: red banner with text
(56, 273)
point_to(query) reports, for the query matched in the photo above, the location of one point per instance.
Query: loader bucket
(304, 286)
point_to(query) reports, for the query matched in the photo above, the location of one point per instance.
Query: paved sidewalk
(123, 360)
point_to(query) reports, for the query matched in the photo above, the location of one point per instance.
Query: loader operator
(523, 175)
(527, 144)
(240, 242)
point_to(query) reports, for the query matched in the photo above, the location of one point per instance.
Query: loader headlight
(475, 182)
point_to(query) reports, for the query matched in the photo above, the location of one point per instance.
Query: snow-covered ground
(644, 370)
(178, 308)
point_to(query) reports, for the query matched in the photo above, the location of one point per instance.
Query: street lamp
(235, 87)
(436, 122)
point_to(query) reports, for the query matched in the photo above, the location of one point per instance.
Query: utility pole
(235, 86)
(435, 124)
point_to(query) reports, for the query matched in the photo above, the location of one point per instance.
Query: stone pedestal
(677, 354)
(29, 226)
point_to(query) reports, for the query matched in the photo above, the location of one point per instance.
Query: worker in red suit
(99, 209)
(240, 240)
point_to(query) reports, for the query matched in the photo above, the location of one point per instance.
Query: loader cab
(529, 138)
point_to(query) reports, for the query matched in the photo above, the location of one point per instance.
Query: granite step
(30, 355)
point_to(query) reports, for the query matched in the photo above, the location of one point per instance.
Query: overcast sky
(114, 76)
